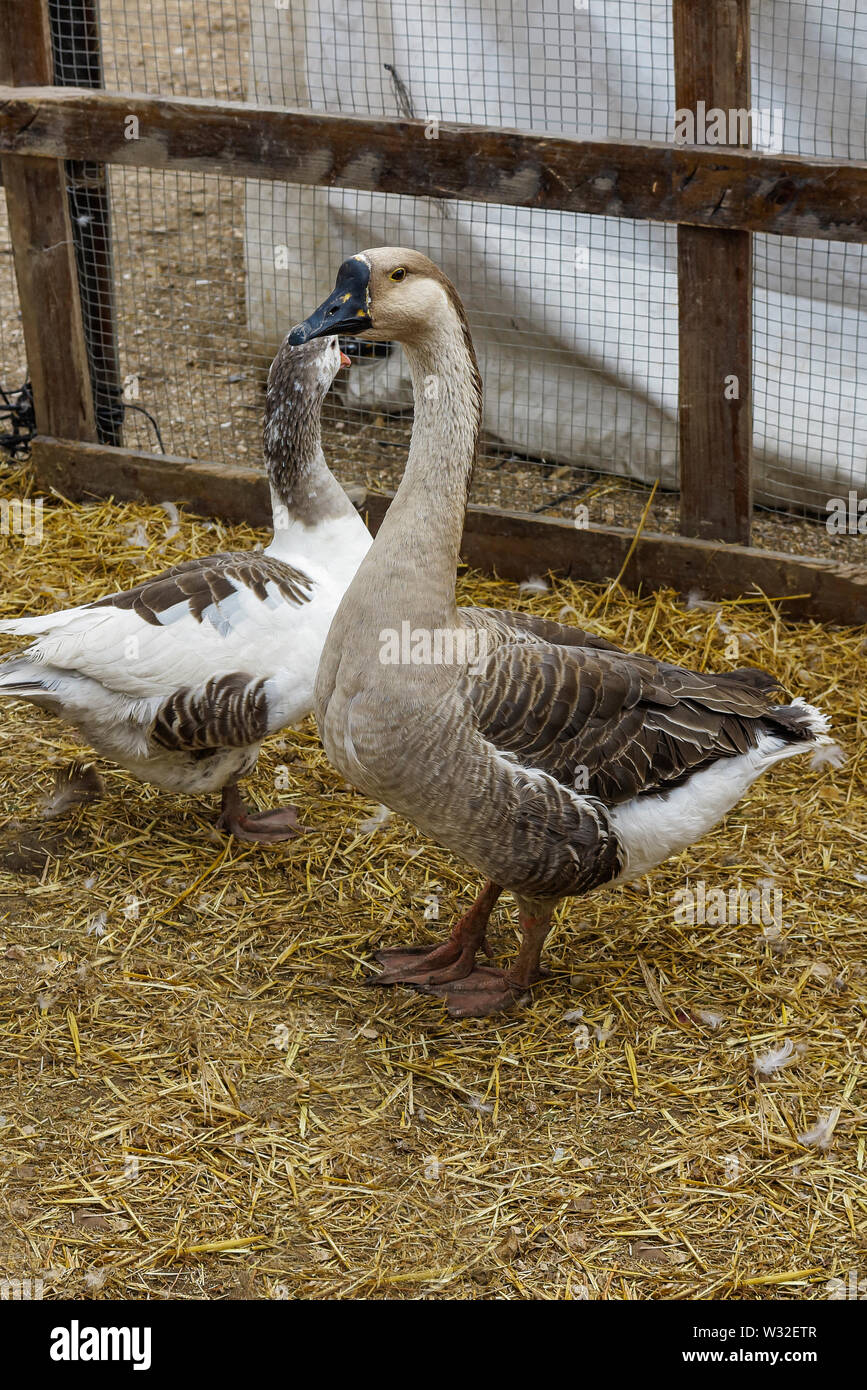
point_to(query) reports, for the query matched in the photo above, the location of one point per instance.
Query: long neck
(292, 435)
(305, 495)
(416, 551)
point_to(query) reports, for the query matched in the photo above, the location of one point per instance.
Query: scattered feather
(695, 599)
(482, 1107)
(97, 925)
(711, 1018)
(380, 817)
(534, 585)
(72, 785)
(822, 1134)
(778, 1058)
(174, 517)
(827, 755)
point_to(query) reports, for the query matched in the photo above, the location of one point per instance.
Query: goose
(551, 761)
(181, 678)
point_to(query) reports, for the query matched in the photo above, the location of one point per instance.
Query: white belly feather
(655, 827)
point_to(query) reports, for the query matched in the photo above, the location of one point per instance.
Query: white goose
(179, 679)
(550, 760)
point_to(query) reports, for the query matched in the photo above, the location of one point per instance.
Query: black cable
(127, 405)
(17, 407)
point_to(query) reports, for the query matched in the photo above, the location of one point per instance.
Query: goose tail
(802, 722)
(36, 627)
(18, 673)
(798, 728)
(23, 679)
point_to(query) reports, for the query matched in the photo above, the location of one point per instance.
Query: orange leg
(489, 990)
(424, 966)
(261, 827)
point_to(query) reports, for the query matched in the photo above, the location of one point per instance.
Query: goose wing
(632, 724)
(526, 627)
(231, 612)
(229, 711)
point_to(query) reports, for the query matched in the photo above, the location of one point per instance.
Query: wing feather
(634, 725)
(222, 613)
(228, 711)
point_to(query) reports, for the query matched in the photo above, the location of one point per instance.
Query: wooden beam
(704, 186)
(714, 287)
(80, 471)
(42, 246)
(513, 545)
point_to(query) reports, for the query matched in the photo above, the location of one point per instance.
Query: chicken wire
(200, 298)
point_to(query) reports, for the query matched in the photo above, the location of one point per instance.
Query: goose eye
(399, 274)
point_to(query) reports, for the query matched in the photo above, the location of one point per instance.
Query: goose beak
(346, 310)
(344, 360)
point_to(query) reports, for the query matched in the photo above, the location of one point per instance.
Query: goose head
(305, 371)
(298, 382)
(388, 293)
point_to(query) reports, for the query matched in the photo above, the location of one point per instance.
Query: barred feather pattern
(549, 737)
(201, 584)
(633, 725)
(229, 711)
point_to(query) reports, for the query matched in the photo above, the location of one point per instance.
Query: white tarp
(575, 318)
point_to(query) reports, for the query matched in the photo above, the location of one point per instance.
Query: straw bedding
(201, 1098)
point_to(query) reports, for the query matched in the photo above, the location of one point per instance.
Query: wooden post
(42, 246)
(714, 276)
(78, 63)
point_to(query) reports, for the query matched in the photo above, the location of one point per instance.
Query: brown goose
(551, 761)
(180, 679)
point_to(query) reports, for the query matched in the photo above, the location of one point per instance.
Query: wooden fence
(717, 196)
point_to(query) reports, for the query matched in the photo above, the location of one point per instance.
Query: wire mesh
(575, 317)
(809, 68)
